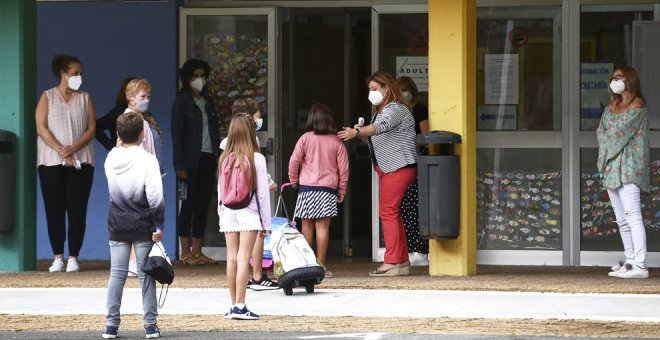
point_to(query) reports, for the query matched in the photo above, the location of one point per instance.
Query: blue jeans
(119, 254)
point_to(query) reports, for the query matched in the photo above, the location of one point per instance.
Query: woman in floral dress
(623, 161)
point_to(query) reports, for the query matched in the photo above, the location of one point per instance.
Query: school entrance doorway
(289, 59)
(326, 58)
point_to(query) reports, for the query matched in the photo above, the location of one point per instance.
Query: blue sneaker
(244, 314)
(232, 311)
(110, 332)
(151, 331)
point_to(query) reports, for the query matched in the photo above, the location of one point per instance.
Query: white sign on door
(416, 68)
(594, 97)
(501, 79)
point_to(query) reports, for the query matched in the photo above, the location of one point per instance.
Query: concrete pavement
(349, 302)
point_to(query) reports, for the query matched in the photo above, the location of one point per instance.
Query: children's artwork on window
(239, 68)
(519, 210)
(597, 220)
(522, 210)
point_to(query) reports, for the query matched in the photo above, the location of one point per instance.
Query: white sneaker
(632, 272)
(72, 266)
(418, 259)
(57, 266)
(132, 268)
(614, 273)
(616, 267)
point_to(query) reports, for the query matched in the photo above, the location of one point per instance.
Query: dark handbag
(158, 266)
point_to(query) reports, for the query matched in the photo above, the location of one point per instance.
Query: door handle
(269, 146)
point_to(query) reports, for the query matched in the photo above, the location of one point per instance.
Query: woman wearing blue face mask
(391, 139)
(66, 124)
(624, 164)
(195, 139)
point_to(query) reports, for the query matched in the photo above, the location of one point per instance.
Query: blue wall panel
(113, 40)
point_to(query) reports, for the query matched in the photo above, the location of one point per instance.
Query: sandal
(204, 259)
(190, 260)
(398, 270)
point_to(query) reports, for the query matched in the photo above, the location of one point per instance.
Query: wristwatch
(357, 132)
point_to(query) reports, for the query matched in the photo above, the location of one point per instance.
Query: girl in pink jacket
(319, 168)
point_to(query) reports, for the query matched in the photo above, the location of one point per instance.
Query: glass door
(520, 136)
(239, 45)
(399, 42)
(611, 36)
(326, 58)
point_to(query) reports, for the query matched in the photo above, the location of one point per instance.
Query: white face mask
(74, 82)
(407, 96)
(142, 105)
(260, 123)
(198, 84)
(617, 86)
(375, 97)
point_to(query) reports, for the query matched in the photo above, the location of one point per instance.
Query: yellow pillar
(452, 107)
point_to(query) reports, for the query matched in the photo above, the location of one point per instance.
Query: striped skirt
(316, 202)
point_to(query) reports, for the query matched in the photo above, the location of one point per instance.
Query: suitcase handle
(280, 201)
(285, 185)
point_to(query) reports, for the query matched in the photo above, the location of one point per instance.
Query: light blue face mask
(260, 123)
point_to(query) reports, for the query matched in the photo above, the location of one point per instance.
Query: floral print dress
(623, 148)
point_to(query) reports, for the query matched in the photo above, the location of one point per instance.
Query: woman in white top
(66, 124)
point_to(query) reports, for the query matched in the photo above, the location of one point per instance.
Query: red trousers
(392, 187)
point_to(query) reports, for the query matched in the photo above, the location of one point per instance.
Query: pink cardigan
(320, 160)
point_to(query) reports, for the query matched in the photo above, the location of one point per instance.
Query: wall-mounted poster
(593, 93)
(501, 77)
(416, 68)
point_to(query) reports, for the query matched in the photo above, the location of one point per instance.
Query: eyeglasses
(619, 77)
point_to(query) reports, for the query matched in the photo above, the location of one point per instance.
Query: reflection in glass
(519, 199)
(405, 35)
(518, 63)
(599, 231)
(605, 42)
(236, 48)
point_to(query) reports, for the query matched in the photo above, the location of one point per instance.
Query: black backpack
(158, 266)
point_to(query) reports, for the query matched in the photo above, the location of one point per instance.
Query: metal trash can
(7, 182)
(439, 180)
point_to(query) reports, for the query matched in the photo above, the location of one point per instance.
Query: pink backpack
(235, 189)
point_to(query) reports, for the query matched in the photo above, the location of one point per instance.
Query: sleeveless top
(67, 122)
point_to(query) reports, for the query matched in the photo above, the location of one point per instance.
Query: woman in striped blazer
(391, 138)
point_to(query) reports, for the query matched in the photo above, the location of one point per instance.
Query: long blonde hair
(242, 143)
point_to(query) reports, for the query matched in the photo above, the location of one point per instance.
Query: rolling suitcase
(294, 261)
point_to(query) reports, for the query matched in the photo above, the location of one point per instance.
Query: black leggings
(200, 188)
(66, 193)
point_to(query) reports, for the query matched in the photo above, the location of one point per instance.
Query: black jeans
(66, 193)
(200, 187)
